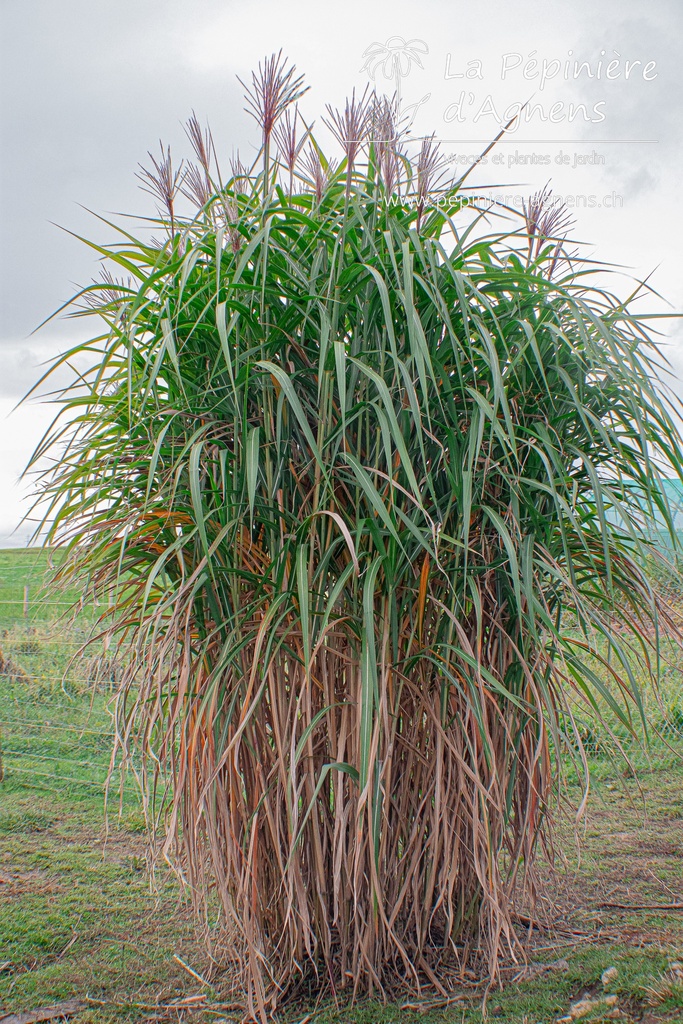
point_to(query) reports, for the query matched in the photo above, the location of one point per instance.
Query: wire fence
(25, 589)
(56, 682)
(58, 728)
(53, 777)
(57, 679)
(61, 755)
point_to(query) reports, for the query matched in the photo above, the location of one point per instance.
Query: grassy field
(23, 575)
(82, 917)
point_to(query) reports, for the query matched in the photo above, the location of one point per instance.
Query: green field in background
(34, 568)
(81, 916)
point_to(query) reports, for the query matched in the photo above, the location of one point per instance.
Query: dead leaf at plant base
(583, 1007)
(45, 1013)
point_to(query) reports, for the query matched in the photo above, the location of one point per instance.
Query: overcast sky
(89, 86)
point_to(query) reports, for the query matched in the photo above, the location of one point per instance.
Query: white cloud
(20, 432)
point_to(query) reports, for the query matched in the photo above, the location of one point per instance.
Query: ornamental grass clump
(362, 469)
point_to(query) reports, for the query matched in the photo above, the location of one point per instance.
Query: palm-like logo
(395, 57)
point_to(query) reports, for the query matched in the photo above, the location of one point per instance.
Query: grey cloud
(23, 363)
(89, 86)
(638, 109)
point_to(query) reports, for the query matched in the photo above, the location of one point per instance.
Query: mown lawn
(82, 917)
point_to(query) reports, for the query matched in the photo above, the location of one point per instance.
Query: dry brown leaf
(43, 1013)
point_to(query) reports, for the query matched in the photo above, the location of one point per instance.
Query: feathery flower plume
(288, 142)
(162, 182)
(350, 127)
(546, 219)
(429, 173)
(384, 134)
(318, 170)
(273, 88)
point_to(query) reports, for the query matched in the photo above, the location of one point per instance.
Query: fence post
(26, 601)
